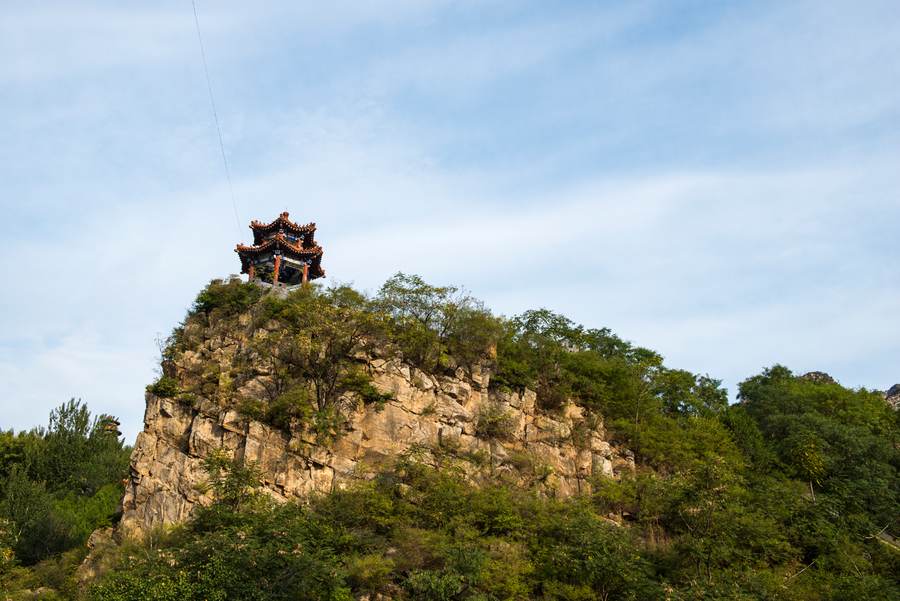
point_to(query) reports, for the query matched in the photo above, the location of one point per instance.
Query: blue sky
(717, 181)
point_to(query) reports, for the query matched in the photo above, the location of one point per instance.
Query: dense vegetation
(790, 494)
(59, 484)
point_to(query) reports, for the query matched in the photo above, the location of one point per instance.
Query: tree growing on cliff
(244, 546)
(431, 324)
(313, 354)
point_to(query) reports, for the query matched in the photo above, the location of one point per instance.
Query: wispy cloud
(715, 181)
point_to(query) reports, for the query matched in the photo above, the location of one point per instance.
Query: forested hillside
(790, 493)
(60, 483)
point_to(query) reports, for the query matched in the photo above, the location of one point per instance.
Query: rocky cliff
(892, 396)
(455, 416)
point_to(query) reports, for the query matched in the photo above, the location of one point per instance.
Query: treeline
(790, 494)
(742, 522)
(310, 354)
(59, 483)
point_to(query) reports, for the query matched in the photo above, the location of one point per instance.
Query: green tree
(228, 297)
(61, 482)
(685, 394)
(577, 556)
(234, 484)
(837, 443)
(27, 509)
(700, 501)
(77, 452)
(645, 369)
(242, 547)
(323, 331)
(560, 360)
(433, 323)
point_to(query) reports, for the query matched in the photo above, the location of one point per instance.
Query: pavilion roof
(306, 232)
(279, 243)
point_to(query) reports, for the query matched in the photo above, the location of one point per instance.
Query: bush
(253, 409)
(228, 296)
(369, 572)
(327, 424)
(319, 336)
(241, 547)
(549, 353)
(432, 323)
(294, 404)
(493, 422)
(165, 387)
(360, 383)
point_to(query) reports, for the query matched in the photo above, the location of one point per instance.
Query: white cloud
(720, 186)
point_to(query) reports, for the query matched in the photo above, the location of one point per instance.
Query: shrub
(253, 409)
(529, 465)
(369, 572)
(327, 424)
(228, 296)
(265, 552)
(189, 399)
(165, 387)
(493, 422)
(360, 383)
(292, 404)
(318, 337)
(432, 323)
(464, 571)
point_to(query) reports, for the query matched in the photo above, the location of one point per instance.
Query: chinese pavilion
(282, 252)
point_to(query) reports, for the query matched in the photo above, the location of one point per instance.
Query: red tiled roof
(306, 232)
(278, 242)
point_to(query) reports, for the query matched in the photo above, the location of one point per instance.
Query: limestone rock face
(892, 396)
(558, 454)
(818, 376)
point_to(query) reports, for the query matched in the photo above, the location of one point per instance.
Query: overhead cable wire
(216, 117)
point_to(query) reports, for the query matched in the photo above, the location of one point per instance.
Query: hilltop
(319, 443)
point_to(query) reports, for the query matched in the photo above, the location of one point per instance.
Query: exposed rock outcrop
(818, 376)
(557, 453)
(892, 396)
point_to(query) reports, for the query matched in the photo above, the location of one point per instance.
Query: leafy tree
(228, 297)
(578, 556)
(645, 369)
(61, 482)
(235, 484)
(433, 323)
(700, 500)
(77, 452)
(836, 446)
(15, 449)
(747, 436)
(27, 509)
(685, 394)
(559, 359)
(323, 331)
(242, 547)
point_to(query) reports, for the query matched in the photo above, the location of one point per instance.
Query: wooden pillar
(277, 268)
(251, 271)
(305, 272)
